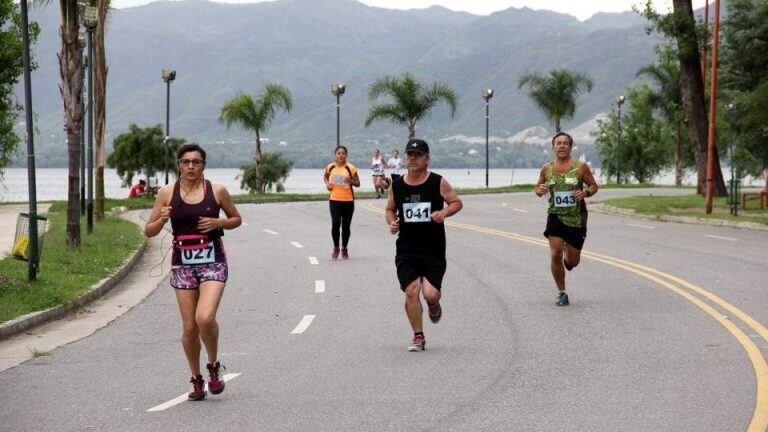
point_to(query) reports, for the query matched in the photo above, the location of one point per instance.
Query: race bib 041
(204, 255)
(417, 212)
(564, 199)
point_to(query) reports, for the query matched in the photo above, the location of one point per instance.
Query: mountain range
(219, 50)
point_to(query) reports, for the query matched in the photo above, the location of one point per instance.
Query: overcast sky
(581, 9)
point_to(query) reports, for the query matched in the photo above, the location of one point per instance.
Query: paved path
(666, 331)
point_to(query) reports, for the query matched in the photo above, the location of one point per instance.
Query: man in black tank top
(416, 210)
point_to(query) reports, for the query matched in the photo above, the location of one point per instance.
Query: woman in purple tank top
(199, 263)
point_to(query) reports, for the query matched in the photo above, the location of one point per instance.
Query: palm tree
(411, 101)
(668, 99)
(100, 71)
(555, 94)
(255, 114)
(71, 89)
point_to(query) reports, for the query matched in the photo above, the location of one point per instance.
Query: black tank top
(184, 218)
(418, 234)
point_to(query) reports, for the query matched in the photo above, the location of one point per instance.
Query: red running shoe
(198, 389)
(435, 312)
(216, 384)
(335, 253)
(418, 344)
(344, 253)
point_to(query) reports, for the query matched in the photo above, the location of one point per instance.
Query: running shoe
(344, 253)
(335, 253)
(418, 344)
(198, 389)
(216, 384)
(562, 299)
(435, 312)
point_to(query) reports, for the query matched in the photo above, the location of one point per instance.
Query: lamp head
(169, 75)
(620, 99)
(487, 94)
(338, 89)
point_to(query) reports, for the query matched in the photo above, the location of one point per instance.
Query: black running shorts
(572, 236)
(412, 266)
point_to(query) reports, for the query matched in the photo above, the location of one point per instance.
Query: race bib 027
(204, 255)
(564, 199)
(417, 212)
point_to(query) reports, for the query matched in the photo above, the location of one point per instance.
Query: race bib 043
(417, 212)
(204, 255)
(564, 199)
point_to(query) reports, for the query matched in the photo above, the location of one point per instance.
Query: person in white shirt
(377, 168)
(395, 164)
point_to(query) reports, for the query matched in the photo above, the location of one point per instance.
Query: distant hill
(306, 45)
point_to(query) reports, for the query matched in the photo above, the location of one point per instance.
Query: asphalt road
(670, 338)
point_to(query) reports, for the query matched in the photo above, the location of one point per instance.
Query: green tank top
(561, 200)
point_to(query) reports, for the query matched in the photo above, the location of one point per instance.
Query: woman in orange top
(340, 177)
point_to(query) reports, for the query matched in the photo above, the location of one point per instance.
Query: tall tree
(142, 151)
(745, 78)
(255, 114)
(646, 139)
(668, 99)
(411, 101)
(681, 26)
(71, 89)
(10, 69)
(555, 94)
(100, 71)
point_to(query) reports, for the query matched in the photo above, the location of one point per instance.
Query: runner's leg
(335, 221)
(431, 294)
(207, 306)
(572, 255)
(346, 221)
(413, 308)
(187, 300)
(556, 262)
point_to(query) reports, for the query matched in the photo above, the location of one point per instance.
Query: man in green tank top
(564, 179)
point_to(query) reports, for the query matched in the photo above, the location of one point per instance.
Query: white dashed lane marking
(719, 237)
(303, 325)
(177, 400)
(297, 244)
(319, 286)
(641, 226)
(269, 231)
(313, 261)
(520, 210)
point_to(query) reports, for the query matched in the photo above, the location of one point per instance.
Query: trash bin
(20, 249)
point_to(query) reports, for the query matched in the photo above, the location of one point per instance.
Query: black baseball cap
(417, 145)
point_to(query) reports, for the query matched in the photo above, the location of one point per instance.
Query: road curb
(611, 210)
(33, 319)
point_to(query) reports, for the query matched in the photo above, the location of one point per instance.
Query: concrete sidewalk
(130, 291)
(8, 216)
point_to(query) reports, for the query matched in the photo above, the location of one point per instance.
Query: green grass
(39, 353)
(690, 205)
(64, 274)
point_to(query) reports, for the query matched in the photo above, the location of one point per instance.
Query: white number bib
(564, 199)
(417, 212)
(339, 179)
(205, 255)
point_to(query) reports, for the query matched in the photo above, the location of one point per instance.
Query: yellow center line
(759, 422)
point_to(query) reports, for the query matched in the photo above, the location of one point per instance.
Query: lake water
(52, 182)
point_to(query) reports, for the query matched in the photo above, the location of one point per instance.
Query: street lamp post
(82, 42)
(338, 90)
(33, 246)
(168, 76)
(91, 21)
(619, 102)
(734, 183)
(487, 95)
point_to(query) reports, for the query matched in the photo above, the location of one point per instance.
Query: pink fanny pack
(191, 241)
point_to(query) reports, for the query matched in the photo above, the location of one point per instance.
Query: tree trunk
(411, 129)
(71, 89)
(259, 177)
(678, 156)
(100, 70)
(557, 126)
(692, 88)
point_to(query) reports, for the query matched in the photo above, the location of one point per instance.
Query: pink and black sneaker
(335, 253)
(216, 384)
(344, 253)
(198, 389)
